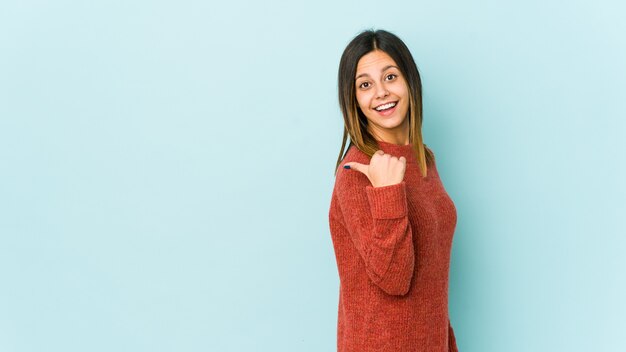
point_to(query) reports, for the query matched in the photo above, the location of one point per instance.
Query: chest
(431, 210)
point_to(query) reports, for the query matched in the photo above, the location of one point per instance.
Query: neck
(399, 135)
(400, 139)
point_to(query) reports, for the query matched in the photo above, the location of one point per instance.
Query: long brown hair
(355, 122)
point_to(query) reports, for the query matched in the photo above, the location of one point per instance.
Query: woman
(391, 220)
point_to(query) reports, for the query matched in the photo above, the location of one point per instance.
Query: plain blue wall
(166, 170)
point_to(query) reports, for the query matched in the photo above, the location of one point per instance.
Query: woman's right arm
(377, 221)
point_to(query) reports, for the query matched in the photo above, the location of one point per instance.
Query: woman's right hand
(383, 169)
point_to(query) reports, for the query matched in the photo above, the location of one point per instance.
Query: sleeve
(452, 347)
(377, 221)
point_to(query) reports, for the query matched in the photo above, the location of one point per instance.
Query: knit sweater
(392, 245)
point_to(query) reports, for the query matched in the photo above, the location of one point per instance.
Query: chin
(392, 122)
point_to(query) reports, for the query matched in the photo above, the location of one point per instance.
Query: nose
(381, 91)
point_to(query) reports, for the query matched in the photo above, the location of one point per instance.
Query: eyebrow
(384, 69)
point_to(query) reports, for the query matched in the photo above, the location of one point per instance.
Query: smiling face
(378, 82)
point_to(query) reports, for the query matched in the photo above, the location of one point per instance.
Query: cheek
(401, 91)
(363, 101)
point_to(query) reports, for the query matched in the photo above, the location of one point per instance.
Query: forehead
(374, 62)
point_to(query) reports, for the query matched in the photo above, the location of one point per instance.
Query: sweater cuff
(387, 202)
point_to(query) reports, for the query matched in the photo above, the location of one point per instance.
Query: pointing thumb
(356, 166)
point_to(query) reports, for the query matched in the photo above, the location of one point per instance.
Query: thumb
(353, 165)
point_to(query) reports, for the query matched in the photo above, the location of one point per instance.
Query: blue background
(166, 170)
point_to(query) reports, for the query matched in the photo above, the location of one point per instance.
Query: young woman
(391, 220)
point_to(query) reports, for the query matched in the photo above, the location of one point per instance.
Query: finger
(378, 154)
(402, 159)
(353, 165)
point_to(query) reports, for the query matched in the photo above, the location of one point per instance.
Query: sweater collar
(398, 150)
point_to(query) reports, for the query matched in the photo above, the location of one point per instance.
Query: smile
(386, 109)
(385, 106)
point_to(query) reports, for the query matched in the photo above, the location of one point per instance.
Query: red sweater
(392, 245)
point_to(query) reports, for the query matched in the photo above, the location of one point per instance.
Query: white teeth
(386, 106)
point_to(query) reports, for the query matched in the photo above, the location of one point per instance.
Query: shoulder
(348, 178)
(355, 154)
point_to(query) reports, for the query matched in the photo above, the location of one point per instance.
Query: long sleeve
(377, 220)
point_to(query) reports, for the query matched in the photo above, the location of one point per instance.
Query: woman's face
(378, 82)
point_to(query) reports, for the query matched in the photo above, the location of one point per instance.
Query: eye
(391, 74)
